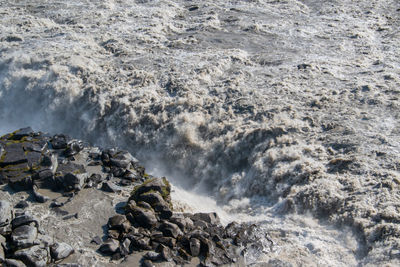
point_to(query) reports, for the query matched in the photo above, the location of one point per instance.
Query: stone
(141, 242)
(50, 161)
(94, 180)
(143, 217)
(165, 252)
(60, 251)
(23, 132)
(34, 256)
(194, 245)
(73, 148)
(109, 247)
(147, 263)
(68, 265)
(74, 181)
(111, 187)
(22, 204)
(44, 179)
(116, 222)
(25, 218)
(125, 247)
(2, 254)
(5, 212)
(183, 222)
(162, 186)
(96, 240)
(24, 236)
(13, 263)
(122, 159)
(39, 197)
(167, 241)
(59, 142)
(211, 218)
(114, 234)
(170, 230)
(151, 255)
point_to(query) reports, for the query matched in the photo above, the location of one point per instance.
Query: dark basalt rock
(33, 161)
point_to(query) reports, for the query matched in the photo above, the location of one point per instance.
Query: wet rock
(194, 247)
(109, 247)
(185, 223)
(13, 263)
(60, 251)
(122, 159)
(5, 212)
(211, 218)
(24, 236)
(170, 230)
(35, 256)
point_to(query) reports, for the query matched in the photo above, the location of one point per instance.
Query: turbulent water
(284, 112)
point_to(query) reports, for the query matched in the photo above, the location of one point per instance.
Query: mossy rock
(161, 186)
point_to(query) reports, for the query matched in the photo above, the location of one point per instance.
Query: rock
(13, 263)
(21, 205)
(165, 253)
(24, 236)
(34, 256)
(125, 247)
(5, 212)
(211, 218)
(23, 132)
(59, 142)
(111, 187)
(170, 230)
(151, 255)
(74, 181)
(25, 218)
(140, 242)
(119, 222)
(50, 161)
(68, 265)
(162, 186)
(167, 241)
(122, 159)
(73, 148)
(143, 217)
(114, 234)
(94, 180)
(96, 240)
(44, 179)
(2, 254)
(194, 245)
(147, 263)
(60, 251)
(109, 247)
(39, 197)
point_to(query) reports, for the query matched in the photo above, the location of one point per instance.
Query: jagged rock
(50, 161)
(74, 181)
(73, 148)
(119, 222)
(140, 242)
(114, 234)
(151, 255)
(25, 218)
(13, 263)
(23, 132)
(194, 247)
(165, 252)
(161, 186)
(125, 247)
(170, 230)
(35, 256)
(143, 217)
(24, 236)
(59, 141)
(211, 218)
(110, 187)
(5, 212)
(94, 180)
(60, 251)
(109, 247)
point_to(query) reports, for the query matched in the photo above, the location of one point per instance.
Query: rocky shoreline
(48, 185)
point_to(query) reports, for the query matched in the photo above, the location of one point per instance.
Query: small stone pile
(149, 224)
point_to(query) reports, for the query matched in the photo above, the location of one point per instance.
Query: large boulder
(24, 236)
(60, 251)
(35, 256)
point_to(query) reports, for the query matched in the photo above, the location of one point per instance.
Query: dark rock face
(34, 161)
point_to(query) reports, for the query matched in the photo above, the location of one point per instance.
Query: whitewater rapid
(284, 112)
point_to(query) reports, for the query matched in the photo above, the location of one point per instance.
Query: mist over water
(280, 112)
